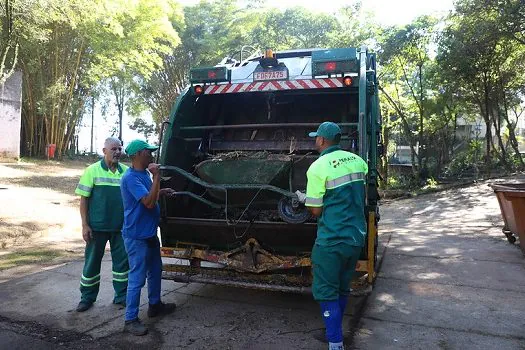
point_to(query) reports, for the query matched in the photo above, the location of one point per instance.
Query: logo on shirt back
(337, 162)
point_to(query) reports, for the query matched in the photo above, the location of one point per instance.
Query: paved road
(449, 280)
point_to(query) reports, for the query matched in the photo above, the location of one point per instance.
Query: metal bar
(178, 101)
(259, 126)
(262, 145)
(362, 105)
(374, 131)
(218, 222)
(371, 245)
(160, 140)
(194, 196)
(226, 187)
(267, 145)
(357, 289)
(230, 283)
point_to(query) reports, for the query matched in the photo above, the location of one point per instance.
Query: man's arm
(315, 211)
(151, 198)
(86, 229)
(315, 190)
(84, 188)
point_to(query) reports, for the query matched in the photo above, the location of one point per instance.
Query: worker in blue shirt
(141, 218)
(335, 193)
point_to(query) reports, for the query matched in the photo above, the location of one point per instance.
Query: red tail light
(330, 66)
(198, 89)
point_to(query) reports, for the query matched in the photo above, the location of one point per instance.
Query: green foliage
(402, 182)
(431, 183)
(68, 48)
(466, 163)
(294, 28)
(432, 71)
(143, 127)
(486, 62)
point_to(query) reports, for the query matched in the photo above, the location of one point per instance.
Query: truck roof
(246, 76)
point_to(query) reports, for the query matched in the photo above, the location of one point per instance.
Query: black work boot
(155, 310)
(135, 327)
(84, 306)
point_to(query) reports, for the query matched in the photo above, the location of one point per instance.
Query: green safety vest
(336, 182)
(102, 187)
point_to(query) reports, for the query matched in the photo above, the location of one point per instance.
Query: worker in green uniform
(335, 193)
(102, 215)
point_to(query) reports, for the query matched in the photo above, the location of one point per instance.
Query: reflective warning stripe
(105, 180)
(310, 201)
(120, 273)
(120, 276)
(274, 85)
(84, 188)
(89, 281)
(120, 279)
(343, 180)
(90, 278)
(89, 284)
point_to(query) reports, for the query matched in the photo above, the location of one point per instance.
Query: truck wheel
(290, 214)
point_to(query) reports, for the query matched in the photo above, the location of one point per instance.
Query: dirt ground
(39, 220)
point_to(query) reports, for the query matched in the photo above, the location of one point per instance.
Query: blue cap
(328, 130)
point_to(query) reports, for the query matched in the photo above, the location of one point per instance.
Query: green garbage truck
(235, 150)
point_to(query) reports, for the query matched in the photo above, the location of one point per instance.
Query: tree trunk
(512, 128)
(92, 121)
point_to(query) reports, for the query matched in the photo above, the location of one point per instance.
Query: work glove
(301, 196)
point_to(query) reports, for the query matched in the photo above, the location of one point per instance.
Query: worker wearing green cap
(335, 193)
(141, 218)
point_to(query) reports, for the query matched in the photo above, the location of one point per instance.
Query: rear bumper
(249, 266)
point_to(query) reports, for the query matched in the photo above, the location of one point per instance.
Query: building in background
(10, 117)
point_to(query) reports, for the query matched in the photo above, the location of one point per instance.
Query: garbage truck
(236, 149)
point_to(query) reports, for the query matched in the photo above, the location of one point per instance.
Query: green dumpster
(511, 198)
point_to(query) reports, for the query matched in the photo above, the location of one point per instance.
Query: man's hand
(301, 196)
(168, 192)
(86, 233)
(154, 168)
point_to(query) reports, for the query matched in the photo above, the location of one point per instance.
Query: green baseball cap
(328, 130)
(137, 146)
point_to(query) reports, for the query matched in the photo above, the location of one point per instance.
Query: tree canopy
(435, 74)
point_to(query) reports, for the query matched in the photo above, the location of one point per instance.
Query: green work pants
(333, 269)
(90, 280)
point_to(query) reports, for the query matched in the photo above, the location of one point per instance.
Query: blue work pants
(144, 262)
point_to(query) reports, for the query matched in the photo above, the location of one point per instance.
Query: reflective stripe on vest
(84, 188)
(344, 180)
(105, 180)
(313, 201)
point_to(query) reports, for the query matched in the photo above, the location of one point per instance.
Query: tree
(211, 31)
(67, 48)
(143, 127)
(144, 32)
(9, 42)
(294, 28)
(488, 65)
(406, 59)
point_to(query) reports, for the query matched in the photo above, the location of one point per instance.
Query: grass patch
(28, 256)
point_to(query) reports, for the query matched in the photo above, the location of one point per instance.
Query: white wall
(10, 117)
